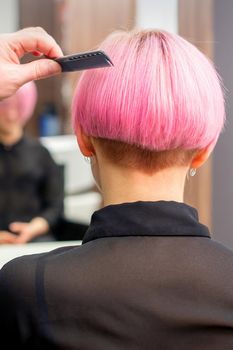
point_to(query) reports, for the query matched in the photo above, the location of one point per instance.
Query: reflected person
(31, 183)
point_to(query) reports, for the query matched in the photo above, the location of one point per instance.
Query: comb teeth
(85, 60)
(79, 57)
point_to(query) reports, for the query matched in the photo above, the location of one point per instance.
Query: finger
(16, 226)
(39, 69)
(36, 39)
(7, 238)
(22, 238)
(22, 228)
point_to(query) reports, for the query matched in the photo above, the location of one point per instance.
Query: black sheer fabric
(128, 286)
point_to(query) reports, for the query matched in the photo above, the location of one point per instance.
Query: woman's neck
(126, 185)
(12, 137)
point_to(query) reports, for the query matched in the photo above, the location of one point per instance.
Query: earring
(192, 172)
(87, 159)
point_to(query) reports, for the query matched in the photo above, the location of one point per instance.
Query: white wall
(9, 18)
(161, 14)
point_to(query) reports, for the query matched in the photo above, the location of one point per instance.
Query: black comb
(84, 60)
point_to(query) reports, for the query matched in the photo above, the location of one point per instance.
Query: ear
(201, 157)
(84, 142)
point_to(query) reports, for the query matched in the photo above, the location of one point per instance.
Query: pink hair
(161, 94)
(25, 99)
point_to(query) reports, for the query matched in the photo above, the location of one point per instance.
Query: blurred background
(80, 25)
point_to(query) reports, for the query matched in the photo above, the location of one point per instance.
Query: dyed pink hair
(161, 94)
(25, 99)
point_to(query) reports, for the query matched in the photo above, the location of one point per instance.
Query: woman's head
(18, 108)
(163, 96)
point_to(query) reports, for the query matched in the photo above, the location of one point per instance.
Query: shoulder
(21, 275)
(38, 150)
(216, 248)
(209, 263)
(23, 291)
(35, 144)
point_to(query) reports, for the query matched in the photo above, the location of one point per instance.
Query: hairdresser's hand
(7, 237)
(13, 46)
(26, 231)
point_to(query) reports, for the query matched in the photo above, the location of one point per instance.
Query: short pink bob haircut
(25, 99)
(161, 94)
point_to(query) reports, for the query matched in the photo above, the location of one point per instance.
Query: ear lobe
(200, 158)
(84, 142)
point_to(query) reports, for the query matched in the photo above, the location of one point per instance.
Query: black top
(31, 183)
(145, 219)
(147, 276)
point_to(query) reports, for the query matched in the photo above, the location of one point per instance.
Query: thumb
(38, 69)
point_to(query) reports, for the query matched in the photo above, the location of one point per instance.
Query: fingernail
(53, 67)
